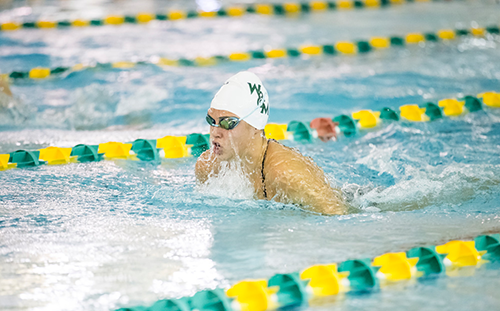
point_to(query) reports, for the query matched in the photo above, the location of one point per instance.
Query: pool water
(98, 236)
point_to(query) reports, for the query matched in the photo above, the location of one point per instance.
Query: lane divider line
(454, 259)
(288, 9)
(325, 129)
(338, 48)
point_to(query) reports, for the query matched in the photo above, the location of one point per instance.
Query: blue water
(97, 236)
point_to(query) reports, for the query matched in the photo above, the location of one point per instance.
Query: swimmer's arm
(202, 167)
(4, 86)
(307, 186)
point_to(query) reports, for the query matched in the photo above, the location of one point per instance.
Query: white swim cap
(244, 95)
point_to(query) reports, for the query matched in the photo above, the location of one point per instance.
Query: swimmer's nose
(216, 132)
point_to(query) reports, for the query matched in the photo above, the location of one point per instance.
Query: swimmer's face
(226, 144)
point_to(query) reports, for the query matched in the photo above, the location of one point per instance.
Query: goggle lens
(227, 123)
(210, 120)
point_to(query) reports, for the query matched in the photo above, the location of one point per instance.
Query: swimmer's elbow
(339, 209)
(329, 204)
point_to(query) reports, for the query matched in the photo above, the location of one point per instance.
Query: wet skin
(289, 176)
(4, 87)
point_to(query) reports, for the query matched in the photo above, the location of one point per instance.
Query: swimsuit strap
(262, 170)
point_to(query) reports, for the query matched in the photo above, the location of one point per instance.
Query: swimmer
(12, 111)
(4, 86)
(237, 117)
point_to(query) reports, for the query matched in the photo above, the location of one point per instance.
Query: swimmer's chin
(218, 154)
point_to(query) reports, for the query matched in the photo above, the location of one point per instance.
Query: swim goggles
(227, 123)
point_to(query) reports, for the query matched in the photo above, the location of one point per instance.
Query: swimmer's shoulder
(282, 160)
(286, 164)
(281, 153)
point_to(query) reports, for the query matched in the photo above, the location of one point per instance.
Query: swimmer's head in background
(244, 95)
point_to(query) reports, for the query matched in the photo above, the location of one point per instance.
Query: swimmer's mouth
(216, 147)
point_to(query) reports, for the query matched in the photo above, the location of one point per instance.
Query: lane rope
(338, 48)
(289, 9)
(306, 287)
(326, 129)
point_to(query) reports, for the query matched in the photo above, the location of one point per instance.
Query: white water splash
(231, 182)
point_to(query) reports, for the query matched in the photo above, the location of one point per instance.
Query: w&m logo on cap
(260, 101)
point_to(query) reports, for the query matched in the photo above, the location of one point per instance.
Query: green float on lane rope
(285, 9)
(338, 48)
(326, 280)
(168, 147)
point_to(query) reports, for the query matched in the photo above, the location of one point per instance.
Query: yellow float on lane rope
(174, 15)
(325, 280)
(254, 295)
(4, 162)
(39, 73)
(452, 107)
(208, 14)
(46, 24)
(78, 67)
(346, 47)
(173, 147)
(205, 61)
(367, 118)
(311, 50)
(372, 3)
(123, 65)
(239, 57)
(79, 23)
(114, 20)
(162, 61)
(235, 11)
(144, 18)
(56, 155)
(291, 8)
(478, 32)
(318, 5)
(490, 99)
(413, 113)
(276, 131)
(446, 34)
(414, 38)
(117, 150)
(345, 5)
(380, 42)
(264, 9)
(10, 26)
(460, 253)
(396, 267)
(276, 53)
